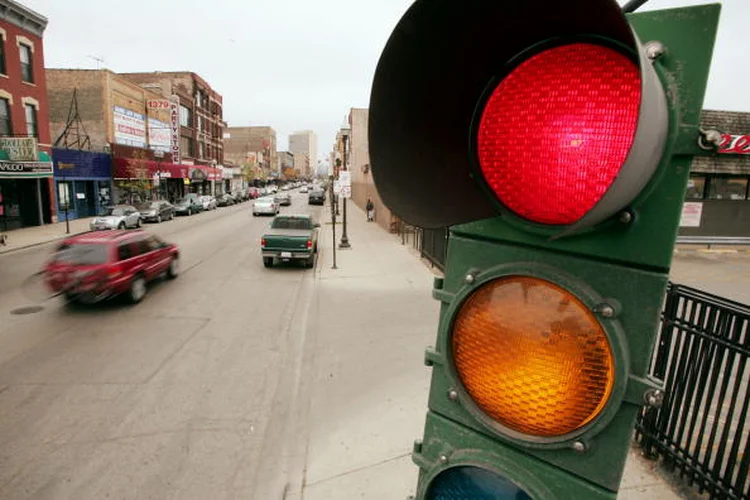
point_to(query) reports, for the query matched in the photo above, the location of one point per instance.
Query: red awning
(129, 168)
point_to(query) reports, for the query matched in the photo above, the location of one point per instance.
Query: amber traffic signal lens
(532, 356)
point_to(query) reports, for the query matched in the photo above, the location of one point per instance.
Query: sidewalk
(39, 235)
(373, 318)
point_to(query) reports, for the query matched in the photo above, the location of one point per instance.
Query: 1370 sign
(157, 104)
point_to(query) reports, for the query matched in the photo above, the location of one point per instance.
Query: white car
(303, 189)
(265, 206)
(118, 217)
(209, 202)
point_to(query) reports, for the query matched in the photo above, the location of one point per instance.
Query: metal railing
(434, 246)
(701, 355)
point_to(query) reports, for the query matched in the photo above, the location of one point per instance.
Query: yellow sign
(186, 181)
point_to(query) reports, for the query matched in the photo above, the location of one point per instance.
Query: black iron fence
(701, 430)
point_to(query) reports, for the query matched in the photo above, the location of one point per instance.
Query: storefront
(83, 182)
(203, 180)
(25, 193)
(136, 181)
(717, 202)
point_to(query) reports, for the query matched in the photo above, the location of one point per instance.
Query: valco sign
(174, 123)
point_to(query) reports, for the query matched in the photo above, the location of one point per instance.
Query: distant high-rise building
(304, 146)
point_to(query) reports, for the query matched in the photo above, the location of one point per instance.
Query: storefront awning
(129, 168)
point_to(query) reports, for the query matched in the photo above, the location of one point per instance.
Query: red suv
(94, 266)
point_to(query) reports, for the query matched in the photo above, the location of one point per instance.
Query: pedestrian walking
(370, 208)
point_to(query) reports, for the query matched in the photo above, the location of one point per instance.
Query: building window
(5, 126)
(727, 188)
(31, 126)
(2, 56)
(27, 67)
(696, 187)
(186, 118)
(201, 150)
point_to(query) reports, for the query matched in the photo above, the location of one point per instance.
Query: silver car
(265, 206)
(209, 202)
(117, 217)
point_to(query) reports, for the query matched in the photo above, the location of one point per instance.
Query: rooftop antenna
(98, 60)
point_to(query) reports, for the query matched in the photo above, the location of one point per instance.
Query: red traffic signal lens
(532, 356)
(556, 131)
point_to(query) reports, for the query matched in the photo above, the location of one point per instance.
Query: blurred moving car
(156, 211)
(189, 205)
(91, 267)
(225, 200)
(265, 206)
(117, 217)
(209, 202)
(290, 237)
(283, 199)
(316, 197)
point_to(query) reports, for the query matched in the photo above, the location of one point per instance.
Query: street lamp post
(344, 237)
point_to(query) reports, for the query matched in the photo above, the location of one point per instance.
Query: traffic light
(555, 138)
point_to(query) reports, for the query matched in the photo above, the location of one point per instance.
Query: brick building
(718, 194)
(253, 145)
(26, 185)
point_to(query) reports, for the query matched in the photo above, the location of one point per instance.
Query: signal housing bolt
(579, 447)
(443, 459)
(452, 395)
(655, 49)
(606, 310)
(626, 217)
(469, 278)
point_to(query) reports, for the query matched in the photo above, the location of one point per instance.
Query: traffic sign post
(565, 143)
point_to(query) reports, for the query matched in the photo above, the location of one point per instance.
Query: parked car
(239, 196)
(263, 192)
(290, 237)
(156, 211)
(209, 202)
(225, 200)
(91, 267)
(316, 197)
(265, 206)
(253, 193)
(283, 199)
(303, 189)
(189, 205)
(117, 217)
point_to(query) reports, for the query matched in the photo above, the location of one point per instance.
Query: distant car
(265, 206)
(117, 217)
(239, 196)
(189, 205)
(225, 200)
(91, 267)
(253, 193)
(156, 211)
(290, 237)
(209, 202)
(283, 199)
(316, 197)
(303, 189)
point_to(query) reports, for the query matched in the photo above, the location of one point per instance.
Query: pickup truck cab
(290, 237)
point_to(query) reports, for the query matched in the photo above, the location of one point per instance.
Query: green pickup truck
(290, 237)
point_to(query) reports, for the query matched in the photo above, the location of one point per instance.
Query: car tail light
(263, 242)
(309, 244)
(532, 356)
(556, 131)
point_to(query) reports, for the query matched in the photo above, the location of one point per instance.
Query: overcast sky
(293, 64)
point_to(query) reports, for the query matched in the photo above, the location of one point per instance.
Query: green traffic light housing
(548, 112)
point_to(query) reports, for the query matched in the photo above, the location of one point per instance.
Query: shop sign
(692, 211)
(22, 169)
(19, 148)
(158, 104)
(734, 144)
(159, 135)
(174, 127)
(130, 127)
(197, 174)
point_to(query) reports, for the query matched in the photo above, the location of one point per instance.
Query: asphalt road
(181, 396)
